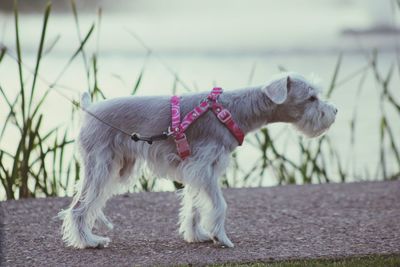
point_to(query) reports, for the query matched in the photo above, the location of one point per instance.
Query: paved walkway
(266, 224)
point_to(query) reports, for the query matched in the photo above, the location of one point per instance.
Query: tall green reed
(38, 165)
(27, 119)
(44, 163)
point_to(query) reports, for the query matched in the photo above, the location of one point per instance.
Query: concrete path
(266, 224)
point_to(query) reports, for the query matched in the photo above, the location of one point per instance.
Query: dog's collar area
(178, 128)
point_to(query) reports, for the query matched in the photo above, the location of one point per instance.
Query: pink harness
(178, 128)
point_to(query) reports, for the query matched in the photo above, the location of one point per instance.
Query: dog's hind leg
(189, 217)
(125, 177)
(93, 191)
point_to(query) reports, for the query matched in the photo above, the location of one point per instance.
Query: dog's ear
(277, 90)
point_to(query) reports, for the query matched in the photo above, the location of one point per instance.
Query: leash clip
(169, 131)
(149, 139)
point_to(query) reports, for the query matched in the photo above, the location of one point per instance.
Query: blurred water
(216, 42)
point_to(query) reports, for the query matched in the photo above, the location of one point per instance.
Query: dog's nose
(336, 111)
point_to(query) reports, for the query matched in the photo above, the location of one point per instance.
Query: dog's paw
(200, 235)
(188, 236)
(223, 241)
(196, 235)
(98, 242)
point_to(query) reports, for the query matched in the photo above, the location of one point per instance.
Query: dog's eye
(312, 98)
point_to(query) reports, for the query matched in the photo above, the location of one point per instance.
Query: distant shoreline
(59, 6)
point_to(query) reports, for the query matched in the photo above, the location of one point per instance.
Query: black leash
(134, 136)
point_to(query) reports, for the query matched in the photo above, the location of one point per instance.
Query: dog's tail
(85, 100)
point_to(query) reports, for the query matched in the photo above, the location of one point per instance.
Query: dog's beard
(315, 122)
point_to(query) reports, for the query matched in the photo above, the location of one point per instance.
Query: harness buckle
(182, 146)
(224, 115)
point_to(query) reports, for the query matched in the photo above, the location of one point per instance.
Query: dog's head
(298, 102)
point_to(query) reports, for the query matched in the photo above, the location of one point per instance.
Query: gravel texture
(265, 224)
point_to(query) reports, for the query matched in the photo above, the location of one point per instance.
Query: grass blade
(84, 58)
(51, 45)
(40, 103)
(252, 73)
(386, 82)
(6, 179)
(11, 114)
(335, 75)
(39, 53)
(19, 59)
(3, 51)
(138, 81)
(81, 46)
(96, 90)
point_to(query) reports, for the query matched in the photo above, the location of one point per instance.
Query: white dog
(110, 158)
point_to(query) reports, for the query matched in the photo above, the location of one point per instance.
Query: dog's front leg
(204, 206)
(212, 212)
(189, 217)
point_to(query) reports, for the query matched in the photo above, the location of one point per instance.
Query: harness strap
(193, 115)
(182, 145)
(225, 117)
(175, 113)
(178, 128)
(215, 92)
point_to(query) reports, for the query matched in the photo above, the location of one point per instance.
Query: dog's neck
(250, 107)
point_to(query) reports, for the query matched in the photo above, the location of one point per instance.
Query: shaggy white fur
(111, 160)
